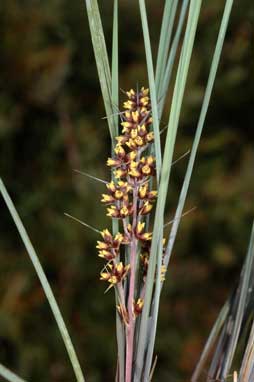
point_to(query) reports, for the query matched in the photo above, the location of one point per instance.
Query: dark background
(51, 123)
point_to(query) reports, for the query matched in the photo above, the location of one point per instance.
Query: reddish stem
(130, 329)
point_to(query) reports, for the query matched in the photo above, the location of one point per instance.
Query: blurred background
(51, 122)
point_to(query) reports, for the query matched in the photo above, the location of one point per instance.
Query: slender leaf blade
(169, 13)
(44, 282)
(9, 375)
(150, 71)
(241, 307)
(164, 85)
(165, 173)
(115, 65)
(101, 58)
(210, 342)
(204, 108)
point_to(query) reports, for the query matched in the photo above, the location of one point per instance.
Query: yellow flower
(112, 162)
(143, 191)
(131, 144)
(142, 129)
(101, 245)
(130, 93)
(140, 227)
(106, 255)
(150, 137)
(121, 139)
(119, 173)
(104, 276)
(134, 133)
(146, 208)
(150, 160)
(152, 194)
(144, 100)
(128, 104)
(145, 91)
(106, 235)
(135, 116)
(133, 164)
(134, 173)
(133, 155)
(143, 109)
(112, 211)
(124, 185)
(118, 194)
(138, 306)
(139, 141)
(126, 124)
(107, 198)
(163, 272)
(119, 237)
(124, 211)
(111, 186)
(146, 236)
(146, 170)
(119, 150)
(113, 280)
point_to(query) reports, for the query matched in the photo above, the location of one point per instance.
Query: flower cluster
(129, 198)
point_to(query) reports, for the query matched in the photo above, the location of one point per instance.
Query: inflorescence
(130, 199)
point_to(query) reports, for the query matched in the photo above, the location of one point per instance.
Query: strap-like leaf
(165, 173)
(169, 13)
(210, 342)
(204, 108)
(9, 375)
(101, 58)
(44, 282)
(153, 96)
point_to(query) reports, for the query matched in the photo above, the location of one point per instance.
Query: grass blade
(115, 225)
(154, 315)
(165, 172)
(45, 284)
(9, 375)
(165, 38)
(193, 18)
(204, 108)
(115, 85)
(248, 359)
(231, 318)
(101, 58)
(153, 96)
(162, 92)
(210, 342)
(115, 65)
(241, 307)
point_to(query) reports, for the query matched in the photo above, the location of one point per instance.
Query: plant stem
(130, 329)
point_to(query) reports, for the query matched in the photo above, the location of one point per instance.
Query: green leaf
(44, 282)
(210, 342)
(244, 287)
(101, 58)
(164, 85)
(115, 225)
(150, 72)
(203, 112)
(115, 67)
(165, 38)
(248, 359)
(165, 173)
(9, 375)
(231, 320)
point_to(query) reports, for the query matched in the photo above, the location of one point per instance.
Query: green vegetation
(50, 124)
